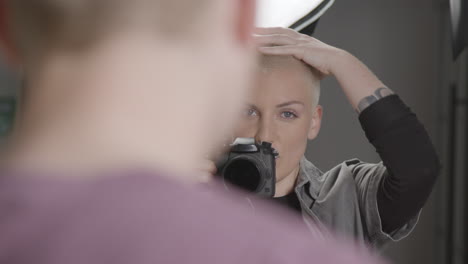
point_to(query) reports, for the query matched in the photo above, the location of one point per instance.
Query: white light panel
(284, 13)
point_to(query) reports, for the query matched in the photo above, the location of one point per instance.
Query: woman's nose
(265, 131)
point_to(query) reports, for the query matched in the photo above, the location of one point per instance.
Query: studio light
(296, 14)
(459, 19)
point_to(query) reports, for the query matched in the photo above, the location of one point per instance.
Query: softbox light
(459, 19)
(300, 15)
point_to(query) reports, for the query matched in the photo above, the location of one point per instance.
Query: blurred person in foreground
(371, 203)
(89, 177)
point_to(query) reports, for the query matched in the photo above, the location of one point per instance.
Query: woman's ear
(315, 123)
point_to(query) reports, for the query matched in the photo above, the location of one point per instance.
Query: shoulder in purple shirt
(143, 219)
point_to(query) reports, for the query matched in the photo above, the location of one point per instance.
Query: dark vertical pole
(465, 189)
(451, 174)
(465, 170)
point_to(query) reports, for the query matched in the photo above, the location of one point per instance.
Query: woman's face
(280, 110)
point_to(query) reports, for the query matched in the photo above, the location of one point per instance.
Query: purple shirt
(143, 219)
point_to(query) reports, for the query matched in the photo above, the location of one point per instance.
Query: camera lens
(243, 173)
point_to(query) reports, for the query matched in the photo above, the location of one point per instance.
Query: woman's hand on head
(285, 41)
(356, 80)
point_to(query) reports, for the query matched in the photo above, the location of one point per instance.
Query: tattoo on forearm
(371, 99)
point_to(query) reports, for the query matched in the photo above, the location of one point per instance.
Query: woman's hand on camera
(206, 171)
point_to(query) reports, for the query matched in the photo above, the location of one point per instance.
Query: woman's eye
(250, 112)
(288, 115)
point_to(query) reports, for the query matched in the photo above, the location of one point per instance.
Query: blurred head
(283, 109)
(164, 60)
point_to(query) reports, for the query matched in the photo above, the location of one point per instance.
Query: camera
(250, 166)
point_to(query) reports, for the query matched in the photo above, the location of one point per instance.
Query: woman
(374, 203)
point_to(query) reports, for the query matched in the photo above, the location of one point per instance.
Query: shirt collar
(309, 177)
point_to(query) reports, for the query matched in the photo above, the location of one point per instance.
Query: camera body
(250, 166)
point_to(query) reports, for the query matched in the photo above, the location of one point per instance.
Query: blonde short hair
(275, 61)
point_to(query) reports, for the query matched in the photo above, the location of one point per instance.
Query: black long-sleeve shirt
(409, 156)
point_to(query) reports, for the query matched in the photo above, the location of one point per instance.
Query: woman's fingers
(274, 40)
(313, 56)
(208, 166)
(284, 41)
(276, 31)
(294, 50)
(206, 170)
